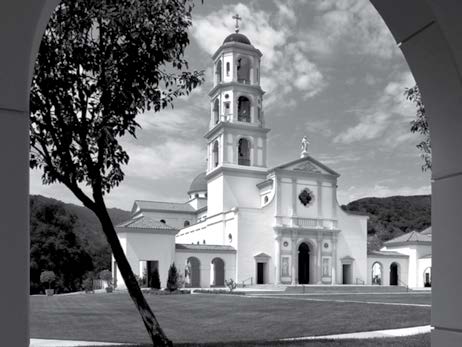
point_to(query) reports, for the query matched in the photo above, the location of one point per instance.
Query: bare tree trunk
(153, 328)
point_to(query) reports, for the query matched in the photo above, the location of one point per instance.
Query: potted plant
(48, 277)
(106, 276)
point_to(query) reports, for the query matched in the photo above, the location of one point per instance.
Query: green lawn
(211, 318)
(411, 298)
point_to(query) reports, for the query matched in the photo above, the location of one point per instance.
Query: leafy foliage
(172, 280)
(392, 216)
(55, 247)
(231, 284)
(106, 275)
(47, 277)
(420, 125)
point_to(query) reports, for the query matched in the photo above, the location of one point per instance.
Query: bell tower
(237, 134)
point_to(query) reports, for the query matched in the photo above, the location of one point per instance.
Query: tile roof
(165, 206)
(413, 236)
(427, 231)
(202, 247)
(387, 254)
(143, 222)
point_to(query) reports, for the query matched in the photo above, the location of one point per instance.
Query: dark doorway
(346, 274)
(260, 273)
(193, 272)
(218, 266)
(393, 274)
(151, 267)
(303, 264)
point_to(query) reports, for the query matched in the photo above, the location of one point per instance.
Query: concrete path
(424, 329)
(69, 343)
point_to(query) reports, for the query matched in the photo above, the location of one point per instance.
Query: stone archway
(377, 273)
(394, 274)
(218, 272)
(193, 272)
(429, 35)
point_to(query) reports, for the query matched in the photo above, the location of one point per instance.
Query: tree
(106, 275)
(56, 247)
(100, 64)
(420, 125)
(172, 280)
(47, 277)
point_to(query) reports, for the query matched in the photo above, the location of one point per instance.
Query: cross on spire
(237, 18)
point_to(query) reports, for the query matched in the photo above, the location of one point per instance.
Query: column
(318, 258)
(334, 259)
(294, 258)
(277, 260)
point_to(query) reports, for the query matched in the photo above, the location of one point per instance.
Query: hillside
(88, 229)
(392, 216)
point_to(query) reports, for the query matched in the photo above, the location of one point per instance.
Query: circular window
(226, 96)
(285, 243)
(326, 245)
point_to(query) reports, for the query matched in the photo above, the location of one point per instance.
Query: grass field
(206, 318)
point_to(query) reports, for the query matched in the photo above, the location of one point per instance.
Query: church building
(243, 220)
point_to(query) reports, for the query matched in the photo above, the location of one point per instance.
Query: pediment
(309, 165)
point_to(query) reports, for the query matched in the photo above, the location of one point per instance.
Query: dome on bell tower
(237, 37)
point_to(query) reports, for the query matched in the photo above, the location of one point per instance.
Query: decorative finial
(305, 144)
(237, 18)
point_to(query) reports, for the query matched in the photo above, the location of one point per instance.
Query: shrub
(47, 277)
(172, 280)
(87, 283)
(106, 275)
(231, 284)
(155, 279)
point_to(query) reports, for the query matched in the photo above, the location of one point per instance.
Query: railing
(243, 282)
(404, 284)
(314, 223)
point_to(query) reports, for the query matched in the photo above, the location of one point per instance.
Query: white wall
(144, 246)
(403, 265)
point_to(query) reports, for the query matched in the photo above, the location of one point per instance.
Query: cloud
(173, 157)
(390, 113)
(354, 193)
(353, 25)
(286, 67)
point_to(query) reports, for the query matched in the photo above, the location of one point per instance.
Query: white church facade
(243, 220)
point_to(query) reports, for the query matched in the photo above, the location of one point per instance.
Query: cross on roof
(237, 18)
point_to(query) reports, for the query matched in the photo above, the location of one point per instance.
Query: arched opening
(218, 272)
(215, 156)
(427, 277)
(216, 111)
(243, 109)
(243, 70)
(377, 274)
(218, 71)
(186, 223)
(303, 263)
(394, 277)
(228, 69)
(243, 152)
(192, 272)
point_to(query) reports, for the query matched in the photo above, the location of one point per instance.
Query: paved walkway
(424, 329)
(69, 343)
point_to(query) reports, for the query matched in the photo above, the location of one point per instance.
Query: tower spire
(237, 18)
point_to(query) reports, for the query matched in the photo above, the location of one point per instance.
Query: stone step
(346, 288)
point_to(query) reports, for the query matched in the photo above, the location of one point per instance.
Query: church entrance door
(393, 274)
(303, 263)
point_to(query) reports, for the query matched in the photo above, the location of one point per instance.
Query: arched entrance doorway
(218, 272)
(377, 273)
(303, 263)
(394, 278)
(428, 277)
(193, 272)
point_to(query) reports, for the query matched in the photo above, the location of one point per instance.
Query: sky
(331, 71)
